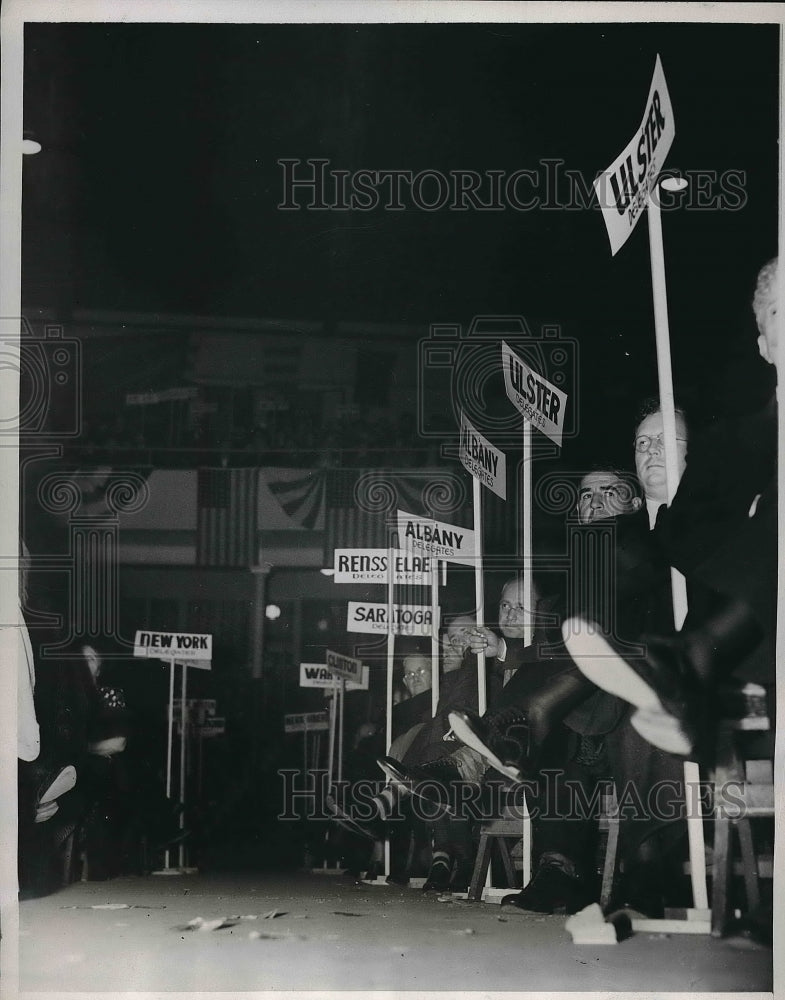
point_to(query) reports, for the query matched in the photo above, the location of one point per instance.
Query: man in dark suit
(601, 741)
(721, 532)
(522, 736)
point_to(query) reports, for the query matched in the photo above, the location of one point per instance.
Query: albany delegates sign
(479, 457)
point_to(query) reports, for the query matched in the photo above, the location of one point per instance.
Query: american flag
(226, 517)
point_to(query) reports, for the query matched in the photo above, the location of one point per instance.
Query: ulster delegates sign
(425, 536)
(482, 460)
(408, 619)
(539, 401)
(623, 189)
(195, 649)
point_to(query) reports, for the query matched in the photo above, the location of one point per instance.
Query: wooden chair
(513, 824)
(743, 785)
(743, 791)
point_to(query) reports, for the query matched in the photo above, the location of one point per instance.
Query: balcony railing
(322, 457)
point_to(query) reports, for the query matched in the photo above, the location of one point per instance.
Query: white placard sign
(479, 457)
(408, 619)
(370, 566)
(161, 395)
(316, 675)
(425, 536)
(329, 689)
(305, 722)
(193, 649)
(535, 397)
(344, 666)
(623, 189)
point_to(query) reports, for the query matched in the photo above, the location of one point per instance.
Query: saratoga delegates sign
(370, 566)
(479, 457)
(623, 189)
(534, 396)
(439, 540)
(192, 649)
(407, 619)
(316, 675)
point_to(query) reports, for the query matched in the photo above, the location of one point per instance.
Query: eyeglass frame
(650, 439)
(505, 608)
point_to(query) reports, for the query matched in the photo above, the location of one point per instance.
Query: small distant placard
(215, 726)
(305, 722)
(344, 666)
(179, 392)
(316, 675)
(193, 649)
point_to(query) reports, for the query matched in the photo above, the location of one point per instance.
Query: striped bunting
(361, 503)
(300, 493)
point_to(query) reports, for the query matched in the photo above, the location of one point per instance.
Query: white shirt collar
(653, 507)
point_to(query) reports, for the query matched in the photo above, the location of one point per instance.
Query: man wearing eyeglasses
(417, 674)
(650, 456)
(721, 533)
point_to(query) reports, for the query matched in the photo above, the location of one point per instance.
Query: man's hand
(483, 640)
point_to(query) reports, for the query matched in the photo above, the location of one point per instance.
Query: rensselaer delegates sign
(623, 189)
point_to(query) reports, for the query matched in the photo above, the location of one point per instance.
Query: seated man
(521, 736)
(721, 532)
(444, 764)
(418, 738)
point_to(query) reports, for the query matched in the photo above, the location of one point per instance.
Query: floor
(331, 933)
